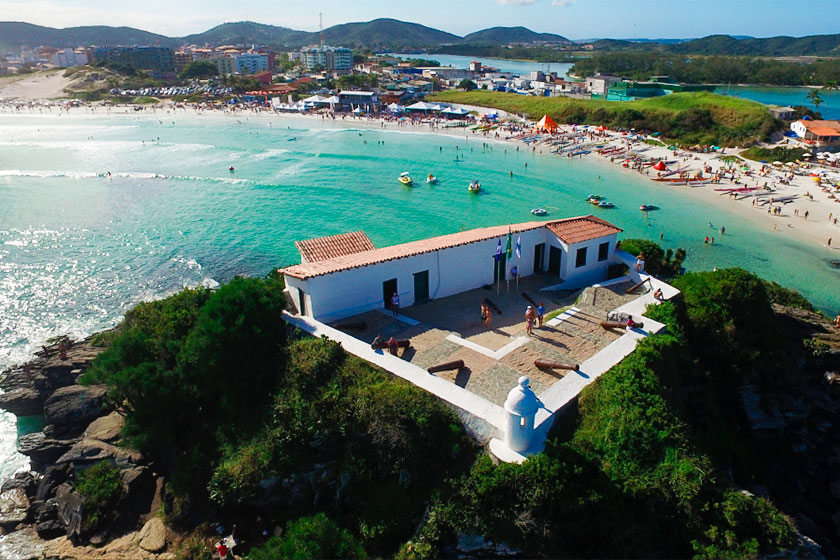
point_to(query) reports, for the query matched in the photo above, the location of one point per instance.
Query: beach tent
(422, 106)
(395, 108)
(547, 123)
(315, 99)
(660, 166)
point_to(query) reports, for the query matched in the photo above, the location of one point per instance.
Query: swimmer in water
(231, 169)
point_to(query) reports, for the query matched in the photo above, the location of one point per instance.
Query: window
(603, 251)
(580, 260)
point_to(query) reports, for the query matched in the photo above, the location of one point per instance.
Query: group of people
(532, 316)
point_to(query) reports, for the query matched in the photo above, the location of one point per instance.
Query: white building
(599, 84)
(68, 58)
(246, 63)
(331, 59)
(343, 275)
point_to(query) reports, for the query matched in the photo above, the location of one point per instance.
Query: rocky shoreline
(41, 513)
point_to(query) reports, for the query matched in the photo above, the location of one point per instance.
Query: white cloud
(562, 3)
(517, 2)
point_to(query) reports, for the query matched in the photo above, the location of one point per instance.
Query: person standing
(395, 304)
(529, 320)
(540, 313)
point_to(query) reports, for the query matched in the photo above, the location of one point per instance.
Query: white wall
(451, 271)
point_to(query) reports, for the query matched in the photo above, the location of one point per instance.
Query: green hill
(507, 35)
(386, 33)
(244, 32)
(15, 34)
(772, 46)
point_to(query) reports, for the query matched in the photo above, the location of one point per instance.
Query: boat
(539, 212)
(405, 179)
(474, 187)
(605, 204)
(648, 207)
(594, 197)
(431, 179)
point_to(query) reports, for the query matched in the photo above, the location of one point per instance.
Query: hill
(15, 34)
(771, 46)
(244, 32)
(385, 33)
(507, 35)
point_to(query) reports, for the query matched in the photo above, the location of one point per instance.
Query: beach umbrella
(777, 163)
(806, 155)
(660, 166)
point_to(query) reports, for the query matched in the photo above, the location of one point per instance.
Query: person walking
(395, 304)
(540, 314)
(529, 320)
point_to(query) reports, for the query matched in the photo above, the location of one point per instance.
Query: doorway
(421, 286)
(388, 289)
(555, 256)
(302, 300)
(539, 258)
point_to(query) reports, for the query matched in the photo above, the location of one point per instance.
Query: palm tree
(814, 97)
(829, 85)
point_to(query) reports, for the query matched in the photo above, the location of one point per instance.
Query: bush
(101, 488)
(657, 261)
(310, 537)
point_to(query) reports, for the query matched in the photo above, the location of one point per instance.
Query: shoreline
(813, 231)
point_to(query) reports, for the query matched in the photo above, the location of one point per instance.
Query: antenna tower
(321, 16)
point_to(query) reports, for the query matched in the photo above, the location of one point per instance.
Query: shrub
(101, 488)
(657, 261)
(310, 537)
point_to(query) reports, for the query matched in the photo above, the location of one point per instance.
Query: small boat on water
(605, 204)
(474, 186)
(431, 179)
(648, 207)
(539, 212)
(594, 198)
(405, 179)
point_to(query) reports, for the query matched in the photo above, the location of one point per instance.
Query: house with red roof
(345, 275)
(818, 134)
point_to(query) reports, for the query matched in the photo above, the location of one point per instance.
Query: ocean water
(78, 248)
(518, 67)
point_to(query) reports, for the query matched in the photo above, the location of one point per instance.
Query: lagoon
(518, 67)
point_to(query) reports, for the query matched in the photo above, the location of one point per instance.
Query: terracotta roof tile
(325, 248)
(570, 230)
(575, 230)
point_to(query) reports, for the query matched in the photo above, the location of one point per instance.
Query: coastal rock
(53, 476)
(22, 401)
(125, 547)
(152, 536)
(50, 529)
(25, 480)
(139, 485)
(75, 406)
(476, 546)
(763, 423)
(70, 510)
(90, 451)
(14, 507)
(106, 428)
(42, 450)
(22, 545)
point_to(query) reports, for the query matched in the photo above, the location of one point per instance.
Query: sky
(575, 19)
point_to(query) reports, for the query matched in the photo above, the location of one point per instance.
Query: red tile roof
(570, 230)
(324, 248)
(822, 128)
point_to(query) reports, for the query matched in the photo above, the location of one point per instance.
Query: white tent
(395, 108)
(357, 110)
(423, 106)
(332, 100)
(316, 99)
(458, 111)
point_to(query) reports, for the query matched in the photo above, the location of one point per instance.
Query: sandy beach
(790, 220)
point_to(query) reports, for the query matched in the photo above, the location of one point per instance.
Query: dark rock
(90, 451)
(24, 480)
(53, 476)
(45, 511)
(14, 507)
(75, 406)
(105, 429)
(42, 450)
(139, 486)
(50, 529)
(764, 423)
(70, 510)
(23, 401)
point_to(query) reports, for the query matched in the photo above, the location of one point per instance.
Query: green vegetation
(467, 85)
(770, 155)
(641, 65)
(657, 261)
(357, 81)
(198, 70)
(418, 62)
(101, 488)
(689, 118)
(310, 537)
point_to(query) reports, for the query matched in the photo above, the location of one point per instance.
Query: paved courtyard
(495, 357)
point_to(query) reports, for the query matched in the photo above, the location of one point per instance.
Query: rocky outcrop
(105, 429)
(71, 409)
(152, 537)
(14, 507)
(89, 451)
(42, 450)
(71, 510)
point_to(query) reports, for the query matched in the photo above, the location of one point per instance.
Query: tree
(310, 537)
(814, 97)
(199, 69)
(467, 85)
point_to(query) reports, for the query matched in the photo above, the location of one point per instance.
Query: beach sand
(815, 230)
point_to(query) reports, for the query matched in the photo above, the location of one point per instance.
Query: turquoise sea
(77, 249)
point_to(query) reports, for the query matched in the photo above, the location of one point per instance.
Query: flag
(499, 251)
(519, 247)
(507, 247)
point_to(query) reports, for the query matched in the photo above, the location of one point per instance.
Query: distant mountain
(15, 34)
(771, 46)
(385, 33)
(508, 35)
(244, 32)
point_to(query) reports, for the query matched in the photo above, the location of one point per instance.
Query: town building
(331, 59)
(67, 58)
(599, 84)
(182, 58)
(158, 61)
(818, 134)
(340, 276)
(243, 63)
(784, 113)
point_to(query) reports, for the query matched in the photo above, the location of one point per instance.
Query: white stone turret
(521, 407)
